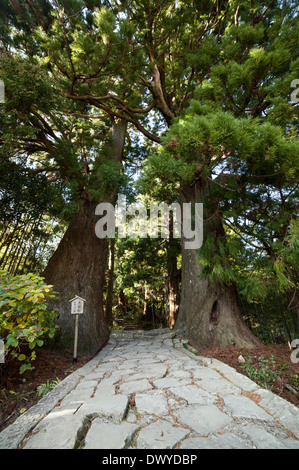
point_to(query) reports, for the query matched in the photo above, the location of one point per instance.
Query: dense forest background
(165, 100)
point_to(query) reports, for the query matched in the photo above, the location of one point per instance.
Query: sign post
(77, 308)
(2, 352)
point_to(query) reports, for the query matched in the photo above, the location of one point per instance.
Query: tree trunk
(78, 268)
(173, 293)
(208, 314)
(79, 264)
(173, 275)
(110, 282)
(145, 305)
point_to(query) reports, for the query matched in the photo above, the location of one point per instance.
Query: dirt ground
(19, 392)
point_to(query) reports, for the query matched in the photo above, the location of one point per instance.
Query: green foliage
(295, 379)
(26, 84)
(115, 326)
(262, 371)
(28, 205)
(141, 278)
(45, 388)
(25, 319)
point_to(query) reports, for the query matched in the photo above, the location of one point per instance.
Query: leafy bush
(25, 319)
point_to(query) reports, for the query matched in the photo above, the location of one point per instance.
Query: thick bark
(79, 264)
(208, 314)
(78, 268)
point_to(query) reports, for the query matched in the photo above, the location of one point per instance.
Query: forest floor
(18, 392)
(269, 365)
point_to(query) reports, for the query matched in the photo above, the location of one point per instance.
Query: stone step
(141, 334)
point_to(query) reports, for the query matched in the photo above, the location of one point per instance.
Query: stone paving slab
(58, 430)
(135, 386)
(193, 395)
(144, 390)
(204, 419)
(109, 436)
(113, 407)
(243, 407)
(153, 404)
(160, 434)
(223, 441)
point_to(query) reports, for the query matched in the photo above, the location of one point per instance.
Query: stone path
(146, 391)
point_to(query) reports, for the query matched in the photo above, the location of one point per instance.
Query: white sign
(77, 305)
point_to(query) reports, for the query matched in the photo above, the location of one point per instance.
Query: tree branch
(98, 102)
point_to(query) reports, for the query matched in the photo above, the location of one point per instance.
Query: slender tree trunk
(78, 266)
(173, 276)
(145, 305)
(294, 302)
(173, 293)
(109, 288)
(208, 314)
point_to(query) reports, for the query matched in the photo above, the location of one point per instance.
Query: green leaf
(12, 341)
(21, 357)
(24, 367)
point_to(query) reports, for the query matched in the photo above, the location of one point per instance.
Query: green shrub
(25, 319)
